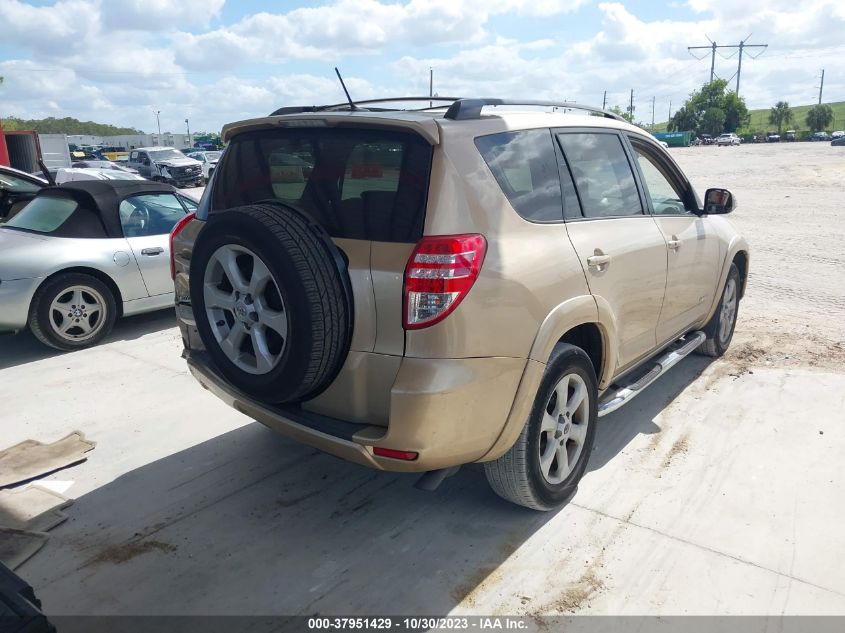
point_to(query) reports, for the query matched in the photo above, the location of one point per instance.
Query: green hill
(759, 121)
(66, 125)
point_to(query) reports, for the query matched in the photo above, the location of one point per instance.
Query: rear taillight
(439, 274)
(181, 224)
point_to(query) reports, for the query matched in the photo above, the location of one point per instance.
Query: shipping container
(675, 139)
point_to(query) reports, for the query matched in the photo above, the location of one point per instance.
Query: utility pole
(190, 140)
(712, 48)
(742, 46)
(652, 111)
(631, 107)
(604, 101)
(670, 110)
(158, 122)
(430, 85)
(821, 87)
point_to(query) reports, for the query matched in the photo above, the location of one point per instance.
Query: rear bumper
(449, 411)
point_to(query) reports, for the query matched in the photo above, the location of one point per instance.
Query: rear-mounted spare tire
(272, 301)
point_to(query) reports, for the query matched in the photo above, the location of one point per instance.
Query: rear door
(147, 220)
(621, 249)
(693, 247)
(367, 188)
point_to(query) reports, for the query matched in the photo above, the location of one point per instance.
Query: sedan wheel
(71, 311)
(77, 314)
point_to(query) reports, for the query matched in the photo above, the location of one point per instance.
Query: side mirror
(719, 201)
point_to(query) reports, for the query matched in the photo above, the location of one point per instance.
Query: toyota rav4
(413, 290)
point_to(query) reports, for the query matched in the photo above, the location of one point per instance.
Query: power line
(741, 48)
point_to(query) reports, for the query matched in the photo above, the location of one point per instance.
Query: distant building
(131, 141)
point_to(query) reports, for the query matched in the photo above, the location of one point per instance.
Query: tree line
(715, 110)
(66, 125)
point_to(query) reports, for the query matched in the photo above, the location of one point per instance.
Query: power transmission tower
(742, 46)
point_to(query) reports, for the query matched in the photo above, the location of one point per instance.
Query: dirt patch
(680, 446)
(119, 554)
(577, 594)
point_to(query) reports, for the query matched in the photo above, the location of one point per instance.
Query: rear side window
(58, 215)
(602, 174)
(358, 183)
(525, 166)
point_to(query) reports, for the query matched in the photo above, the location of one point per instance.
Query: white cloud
(156, 15)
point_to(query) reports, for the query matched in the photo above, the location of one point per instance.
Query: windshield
(166, 154)
(17, 185)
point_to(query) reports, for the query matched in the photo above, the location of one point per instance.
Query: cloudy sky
(115, 61)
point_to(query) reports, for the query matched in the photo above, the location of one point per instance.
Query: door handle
(157, 250)
(674, 244)
(598, 261)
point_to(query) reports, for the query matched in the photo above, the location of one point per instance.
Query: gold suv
(413, 290)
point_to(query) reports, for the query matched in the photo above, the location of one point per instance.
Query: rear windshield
(57, 215)
(358, 183)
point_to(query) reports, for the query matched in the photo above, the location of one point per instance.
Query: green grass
(759, 121)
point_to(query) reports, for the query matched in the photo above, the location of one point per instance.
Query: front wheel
(72, 311)
(542, 469)
(720, 328)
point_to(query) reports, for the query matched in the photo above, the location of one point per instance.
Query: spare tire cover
(272, 300)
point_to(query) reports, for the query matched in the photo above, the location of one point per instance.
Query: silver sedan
(80, 255)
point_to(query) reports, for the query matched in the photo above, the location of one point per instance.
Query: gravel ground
(717, 491)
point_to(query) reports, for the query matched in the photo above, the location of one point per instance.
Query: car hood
(177, 162)
(19, 253)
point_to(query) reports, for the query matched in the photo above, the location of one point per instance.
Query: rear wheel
(542, 469)
(272, 301)
(72, 311)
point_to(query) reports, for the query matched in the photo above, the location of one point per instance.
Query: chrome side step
(615, 398)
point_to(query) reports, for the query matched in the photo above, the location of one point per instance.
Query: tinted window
(358, 183)
(602, 174)
(58, 215)
(525, 166)
(665, 200)
(17, 185)
(152, 214)
(190, 205)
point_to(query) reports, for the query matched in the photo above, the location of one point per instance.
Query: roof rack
(464, 109)
(346, 106)
(459, 109)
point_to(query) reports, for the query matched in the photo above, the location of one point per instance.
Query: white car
(837, 134)
(73, 174)
(729, 138)
(208, 160)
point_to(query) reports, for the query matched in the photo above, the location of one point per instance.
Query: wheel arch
(85, 270)
(741, 261)
(591, 335)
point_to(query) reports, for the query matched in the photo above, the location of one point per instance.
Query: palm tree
(780, 115)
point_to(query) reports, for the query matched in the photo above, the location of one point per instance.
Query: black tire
(516, 476)
(718, 340)
(315, 295)
(42, 318)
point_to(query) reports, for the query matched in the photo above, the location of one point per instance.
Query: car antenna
(352, 105)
